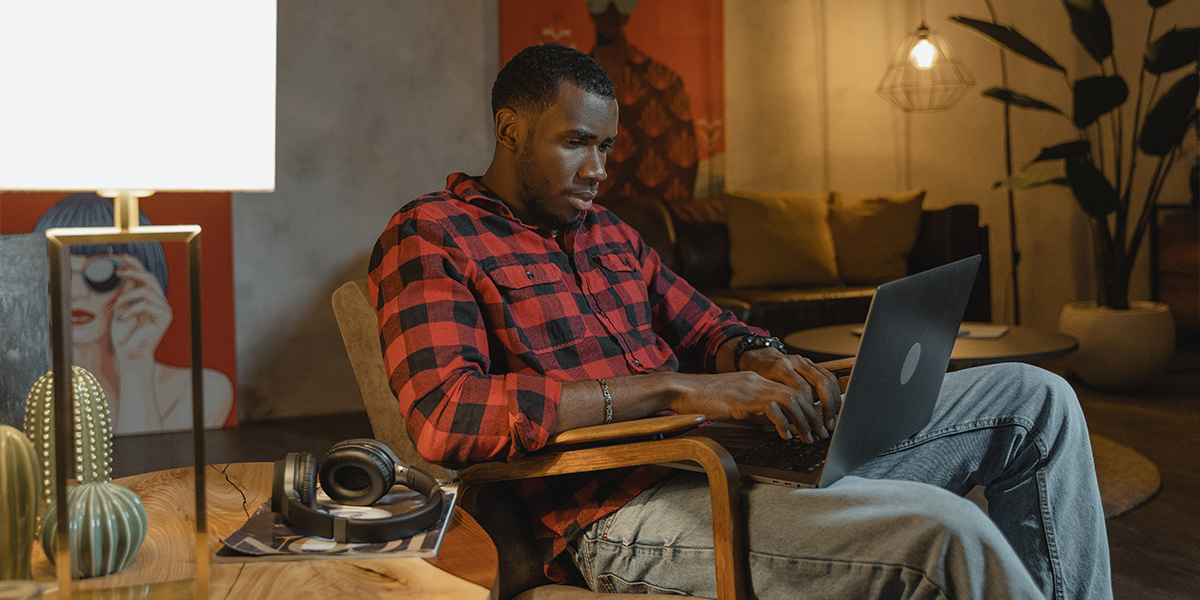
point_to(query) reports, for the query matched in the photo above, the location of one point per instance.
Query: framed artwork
(129, 305)
(667, 61)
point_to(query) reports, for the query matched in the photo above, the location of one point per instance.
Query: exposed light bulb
(923, 54)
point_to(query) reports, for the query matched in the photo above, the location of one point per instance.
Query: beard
(536, 198)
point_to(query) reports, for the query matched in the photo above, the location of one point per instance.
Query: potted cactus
(107, 521)
(1102, 167)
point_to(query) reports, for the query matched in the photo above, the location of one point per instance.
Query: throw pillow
(874, 235)
(780, 239)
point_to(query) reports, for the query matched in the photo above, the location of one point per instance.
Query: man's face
(561, 163)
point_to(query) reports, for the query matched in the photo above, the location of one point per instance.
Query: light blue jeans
(899, 526)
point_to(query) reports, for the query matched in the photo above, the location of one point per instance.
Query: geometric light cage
(937, 87)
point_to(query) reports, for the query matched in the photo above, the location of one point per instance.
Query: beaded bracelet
(607, 402)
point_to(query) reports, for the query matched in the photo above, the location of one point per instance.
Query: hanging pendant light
(924, 76)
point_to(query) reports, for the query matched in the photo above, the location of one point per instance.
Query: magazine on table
(267, 537)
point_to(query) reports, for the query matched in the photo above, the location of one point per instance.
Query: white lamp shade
(137, 95)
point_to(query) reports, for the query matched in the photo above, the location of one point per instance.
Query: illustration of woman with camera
(119, 314)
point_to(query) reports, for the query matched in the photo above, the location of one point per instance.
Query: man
(511, 309)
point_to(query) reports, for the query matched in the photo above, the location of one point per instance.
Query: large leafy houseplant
(1100, 165)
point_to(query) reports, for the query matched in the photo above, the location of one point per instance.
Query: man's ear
(509, 129)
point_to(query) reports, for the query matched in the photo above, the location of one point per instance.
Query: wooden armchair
(498, 509)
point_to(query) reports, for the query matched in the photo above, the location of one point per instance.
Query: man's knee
(1041, 396)
(1052, 396)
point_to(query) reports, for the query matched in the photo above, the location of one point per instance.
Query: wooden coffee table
(165, 565)
(1020, 344)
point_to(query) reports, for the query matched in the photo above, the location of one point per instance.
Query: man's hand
(820, 398)
(782, 390)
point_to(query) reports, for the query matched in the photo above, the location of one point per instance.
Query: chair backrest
(498, 509)
(357, 319)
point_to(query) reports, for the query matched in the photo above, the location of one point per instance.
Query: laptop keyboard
(790, 455)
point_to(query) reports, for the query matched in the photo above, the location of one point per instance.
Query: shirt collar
(472, 191)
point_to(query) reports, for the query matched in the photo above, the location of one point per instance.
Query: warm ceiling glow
(923, 54)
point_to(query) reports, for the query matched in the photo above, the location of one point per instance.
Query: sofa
(750, 253)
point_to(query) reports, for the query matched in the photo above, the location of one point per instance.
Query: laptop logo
(910, 363)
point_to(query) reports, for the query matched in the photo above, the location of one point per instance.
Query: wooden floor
(1155, 547)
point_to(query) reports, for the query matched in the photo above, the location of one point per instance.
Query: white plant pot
(1119, 349)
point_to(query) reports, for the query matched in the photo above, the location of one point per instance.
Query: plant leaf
(1008, 96)
(1091, 188)
(1091, 26)
(1028, 181)
(1096, 96)
(1072, 150)
(1172, 50)
(1167, 122)
(1008, 38)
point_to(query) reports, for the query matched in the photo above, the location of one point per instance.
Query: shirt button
(624, 262)
(637, 363)
(529, 274)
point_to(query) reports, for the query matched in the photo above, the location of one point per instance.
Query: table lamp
(128, 97)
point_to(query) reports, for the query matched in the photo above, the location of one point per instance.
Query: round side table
(1019, 344)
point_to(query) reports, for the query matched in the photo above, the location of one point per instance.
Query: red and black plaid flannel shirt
(482, 317)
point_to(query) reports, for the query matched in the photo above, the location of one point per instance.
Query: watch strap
(754, 341)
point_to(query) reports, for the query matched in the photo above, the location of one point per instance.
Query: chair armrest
(626, 430)
(841, 368)
(841, 364)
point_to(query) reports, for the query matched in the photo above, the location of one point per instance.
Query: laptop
(911, 327)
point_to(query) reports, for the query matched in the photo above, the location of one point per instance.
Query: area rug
(1127, 479)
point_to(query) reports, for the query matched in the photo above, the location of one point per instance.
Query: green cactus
(107, 526)
(19, 497)
(93, 429)
(107, 521)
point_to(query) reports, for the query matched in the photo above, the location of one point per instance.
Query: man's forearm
(773, 388)
(633, 397)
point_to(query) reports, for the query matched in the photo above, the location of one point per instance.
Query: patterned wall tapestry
(666, 59)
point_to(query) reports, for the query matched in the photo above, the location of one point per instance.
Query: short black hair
(529, 83)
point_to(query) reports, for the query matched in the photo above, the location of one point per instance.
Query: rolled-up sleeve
(435, 347)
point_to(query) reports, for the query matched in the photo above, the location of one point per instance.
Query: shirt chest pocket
(623, 293)
(539, 311)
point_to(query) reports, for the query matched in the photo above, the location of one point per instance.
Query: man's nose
(593, 167)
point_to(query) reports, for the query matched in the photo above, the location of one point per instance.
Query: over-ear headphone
(356, 472)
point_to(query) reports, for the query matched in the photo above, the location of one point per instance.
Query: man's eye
(576, 143)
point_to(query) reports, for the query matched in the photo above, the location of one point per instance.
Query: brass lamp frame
(125, 230)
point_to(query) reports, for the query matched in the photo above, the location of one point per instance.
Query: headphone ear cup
(358, 472)
(305, 483)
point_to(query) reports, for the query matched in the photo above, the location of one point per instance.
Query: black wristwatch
(754, 342)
